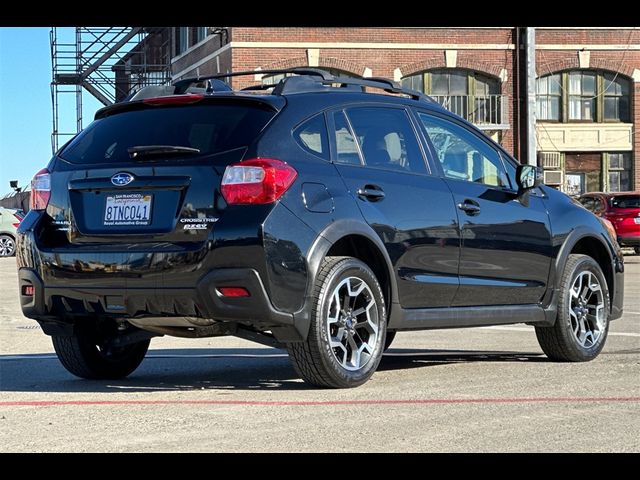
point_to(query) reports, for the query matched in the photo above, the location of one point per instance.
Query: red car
(622, 210)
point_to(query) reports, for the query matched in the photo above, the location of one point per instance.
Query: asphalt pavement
(461, 390)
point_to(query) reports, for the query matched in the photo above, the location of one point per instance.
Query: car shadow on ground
(214, 369)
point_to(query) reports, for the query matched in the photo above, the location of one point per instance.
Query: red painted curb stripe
(302, 403)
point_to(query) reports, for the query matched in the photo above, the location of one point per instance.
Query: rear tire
(86, 354)
(7, 246)
(637, 250)
(348, 325)
(582, 324)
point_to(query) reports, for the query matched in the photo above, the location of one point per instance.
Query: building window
(274, 79)
(472, 95)
(201, 33)
(549, 97)
(619, 171)
(182, 39)
(616, 98)
(583, 96)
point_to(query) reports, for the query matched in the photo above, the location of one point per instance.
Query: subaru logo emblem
(121, 179)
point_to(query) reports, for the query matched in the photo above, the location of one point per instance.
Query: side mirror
(528, 177)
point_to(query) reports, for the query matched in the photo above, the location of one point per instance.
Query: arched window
(470, 94)
(583, 96)
(274, 79)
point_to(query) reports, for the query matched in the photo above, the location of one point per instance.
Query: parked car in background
(622, 209)
(9, 221)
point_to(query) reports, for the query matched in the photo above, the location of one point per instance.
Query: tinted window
(463, 155)
(626, 201)
(387, 139)
(346, 148)
(587, 202)
(312, 136)
(209, 128)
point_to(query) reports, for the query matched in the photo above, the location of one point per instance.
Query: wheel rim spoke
(587, 309)
(352, 323)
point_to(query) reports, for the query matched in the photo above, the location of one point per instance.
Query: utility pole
(531, 96)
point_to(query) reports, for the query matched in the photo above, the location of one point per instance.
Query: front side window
(387, 139)
(463, 155)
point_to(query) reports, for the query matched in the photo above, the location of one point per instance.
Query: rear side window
(312, 136)
(625, 201)
(346, 148)
(387, 139)
(209, 128)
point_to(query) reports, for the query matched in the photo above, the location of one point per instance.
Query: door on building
(377, 153)
(583, 172)
(506, 248)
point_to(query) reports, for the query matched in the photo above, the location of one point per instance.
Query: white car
(9, 221)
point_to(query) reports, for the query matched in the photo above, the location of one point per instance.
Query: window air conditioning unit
(549, 159)
(553, 177)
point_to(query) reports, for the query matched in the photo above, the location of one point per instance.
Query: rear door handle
(470, 207)
(372, 193)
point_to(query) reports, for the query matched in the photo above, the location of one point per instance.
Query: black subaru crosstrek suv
(315, 215)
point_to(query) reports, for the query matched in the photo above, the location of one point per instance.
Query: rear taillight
(40, 190)
(255, 181)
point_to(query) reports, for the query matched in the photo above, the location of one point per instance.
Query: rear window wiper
(142, 151)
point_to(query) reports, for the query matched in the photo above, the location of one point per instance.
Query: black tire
(314, 359)
(7, 246)
(560, 342)
(82, 355)
(389, 340)
(637, 250)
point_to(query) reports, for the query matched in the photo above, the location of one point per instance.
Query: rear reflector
(40, 190)
(27, 290)
(233, 292)
(256, 181)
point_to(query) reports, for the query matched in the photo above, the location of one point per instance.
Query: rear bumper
(54, 303)
(203, 300)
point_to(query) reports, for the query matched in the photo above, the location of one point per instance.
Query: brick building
(588, 102)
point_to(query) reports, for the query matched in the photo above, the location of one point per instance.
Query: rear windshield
(625, 201)
(209, 128)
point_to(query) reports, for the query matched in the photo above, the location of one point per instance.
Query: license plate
(127, 209)
(637, 220)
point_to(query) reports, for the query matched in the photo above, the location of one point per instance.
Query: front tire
(348, 325)
(87, 354)
(582, 324)
(637, 250)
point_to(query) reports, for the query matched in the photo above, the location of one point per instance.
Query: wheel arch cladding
(594, 248)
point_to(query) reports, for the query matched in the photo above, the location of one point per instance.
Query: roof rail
(308, 80)
(182, 85)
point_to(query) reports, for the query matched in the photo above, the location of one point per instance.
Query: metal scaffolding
(108, 63)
